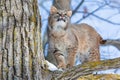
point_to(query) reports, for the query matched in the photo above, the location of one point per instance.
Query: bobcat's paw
(63, 66)
(69, 66)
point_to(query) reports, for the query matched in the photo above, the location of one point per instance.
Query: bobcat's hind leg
(94, 55)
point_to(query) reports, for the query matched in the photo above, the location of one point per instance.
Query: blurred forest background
(103, 15)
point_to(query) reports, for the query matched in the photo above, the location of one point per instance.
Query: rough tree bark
(20, 41)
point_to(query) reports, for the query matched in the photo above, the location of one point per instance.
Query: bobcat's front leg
(71, 57)
(60, 60)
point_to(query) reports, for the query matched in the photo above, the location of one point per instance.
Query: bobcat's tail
(102, 41)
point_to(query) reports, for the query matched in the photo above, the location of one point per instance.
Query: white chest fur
(59, 25)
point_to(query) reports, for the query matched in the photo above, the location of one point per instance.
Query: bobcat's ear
(69, 13)
(53, 10)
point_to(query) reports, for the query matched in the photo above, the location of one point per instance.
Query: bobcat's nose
(61, 18)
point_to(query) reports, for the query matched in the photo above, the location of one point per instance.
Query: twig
(90, 13)
(77, 7)
(105, 20)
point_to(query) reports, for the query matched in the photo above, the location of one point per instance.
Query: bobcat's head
(59, 19)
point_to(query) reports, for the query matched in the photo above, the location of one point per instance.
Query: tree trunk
(20, 40)
(62, 4)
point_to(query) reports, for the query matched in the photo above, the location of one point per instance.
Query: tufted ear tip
(69, 13)
(53, 10)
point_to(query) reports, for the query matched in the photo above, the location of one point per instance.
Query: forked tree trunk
(20, 40)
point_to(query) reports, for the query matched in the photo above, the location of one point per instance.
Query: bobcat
(68, 41)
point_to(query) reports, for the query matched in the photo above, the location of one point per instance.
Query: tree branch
(115, 43)
(105, 20)
(87, 68)
(77, 7)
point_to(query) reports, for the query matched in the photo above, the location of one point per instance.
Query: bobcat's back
(88, 41)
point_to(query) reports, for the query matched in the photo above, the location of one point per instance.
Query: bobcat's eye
(58, 13)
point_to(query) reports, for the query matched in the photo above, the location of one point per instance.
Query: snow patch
(51, 66)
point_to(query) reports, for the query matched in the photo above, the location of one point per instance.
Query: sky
(105, 29)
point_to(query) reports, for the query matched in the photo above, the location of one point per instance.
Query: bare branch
(91, 13)
(77, 7)
(105, 20)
